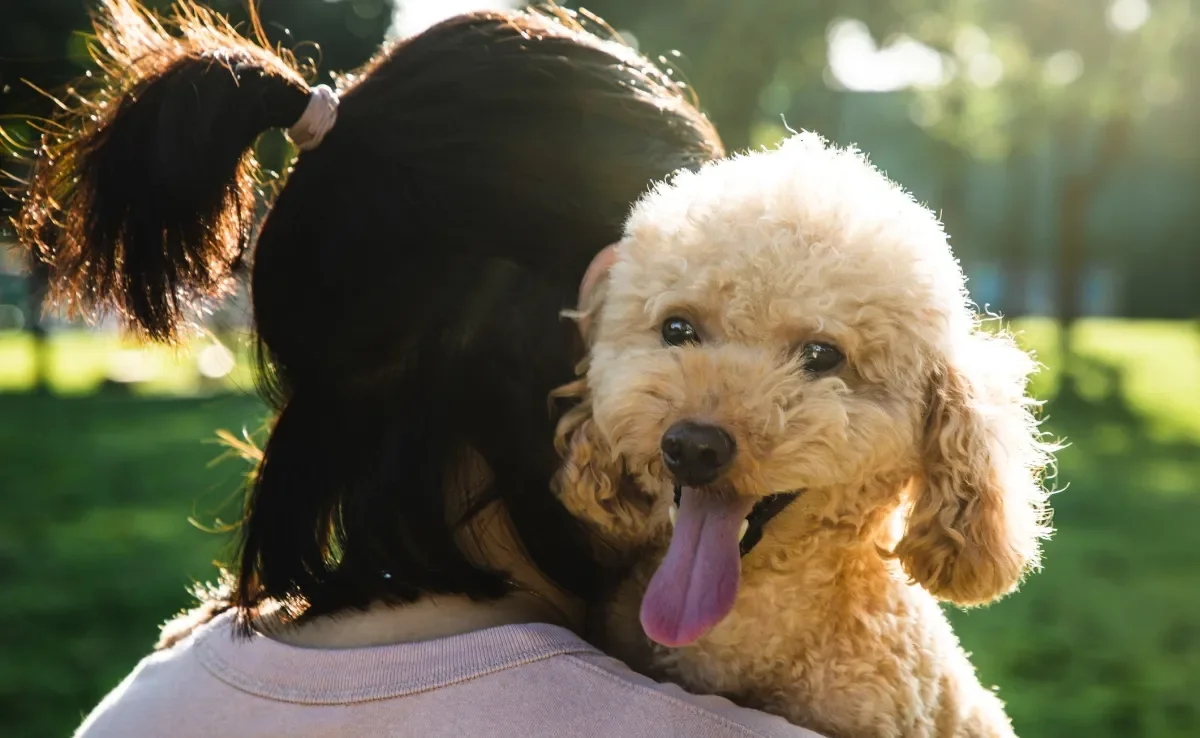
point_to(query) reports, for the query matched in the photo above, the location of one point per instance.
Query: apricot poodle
(793, 424)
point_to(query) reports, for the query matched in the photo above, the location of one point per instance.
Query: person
(403, 567)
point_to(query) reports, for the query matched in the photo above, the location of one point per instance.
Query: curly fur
(920, 460)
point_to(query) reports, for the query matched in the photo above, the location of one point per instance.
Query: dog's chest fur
(828, 639)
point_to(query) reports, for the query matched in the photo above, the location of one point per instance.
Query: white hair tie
(318, 118)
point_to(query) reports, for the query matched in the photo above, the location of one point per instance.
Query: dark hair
(407, 282)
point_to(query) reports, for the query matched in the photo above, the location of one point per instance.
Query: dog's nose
(695, 453)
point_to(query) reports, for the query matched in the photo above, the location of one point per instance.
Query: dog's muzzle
(697, 453)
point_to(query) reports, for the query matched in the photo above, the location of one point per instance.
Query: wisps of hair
(141, 197)
(212, 599)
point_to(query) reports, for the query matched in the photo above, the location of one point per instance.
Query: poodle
(793, 425)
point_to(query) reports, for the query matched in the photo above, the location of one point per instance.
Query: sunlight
(215, 361)
(974, 48)
(858, 64)
(132, 366)
(1062, 68)
(1126, 16)
(414, 16)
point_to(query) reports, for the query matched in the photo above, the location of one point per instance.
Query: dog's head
(789, 329)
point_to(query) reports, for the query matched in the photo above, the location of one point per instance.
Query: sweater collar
(268, 668)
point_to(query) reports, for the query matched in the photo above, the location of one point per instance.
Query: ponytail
(143, 201)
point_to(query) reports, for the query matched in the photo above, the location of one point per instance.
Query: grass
(1106, 640)
(81, 362)
(95, 543)
(96, 547)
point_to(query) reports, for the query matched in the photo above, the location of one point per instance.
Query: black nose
(695, 453)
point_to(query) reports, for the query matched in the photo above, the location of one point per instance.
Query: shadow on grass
(1094, 389)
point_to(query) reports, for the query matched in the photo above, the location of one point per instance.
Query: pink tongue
(696, 584)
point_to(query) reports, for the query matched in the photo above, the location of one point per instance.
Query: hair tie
(318, 118)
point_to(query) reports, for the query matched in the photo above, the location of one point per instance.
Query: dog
(794, 425)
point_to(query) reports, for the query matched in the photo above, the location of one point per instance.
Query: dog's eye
(819, 358)
(679, 332)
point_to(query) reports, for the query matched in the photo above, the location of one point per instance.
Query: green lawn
(79, 363)
(95, 543)
(96, 547)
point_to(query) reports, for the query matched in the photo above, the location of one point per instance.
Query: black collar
(765, 509)
(761, 514)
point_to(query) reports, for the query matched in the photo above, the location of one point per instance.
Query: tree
(1069, 74)
(732, 51)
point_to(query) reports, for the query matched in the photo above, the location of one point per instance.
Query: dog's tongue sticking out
(696, 584)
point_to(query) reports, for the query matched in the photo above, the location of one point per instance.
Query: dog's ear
(592, 485)
(591, 481)
(592, 289)
(978, 509)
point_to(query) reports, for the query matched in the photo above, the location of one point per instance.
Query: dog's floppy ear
(590, 481)
(592, 289)
(978, 510)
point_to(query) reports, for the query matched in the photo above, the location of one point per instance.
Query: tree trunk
(1015, 243)
(1079, 190)
(1072, 257)
(955, 165)
(38, 284)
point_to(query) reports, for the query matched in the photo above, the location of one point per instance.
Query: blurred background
(1057, 139)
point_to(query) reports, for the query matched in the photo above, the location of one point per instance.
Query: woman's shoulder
(518, 681)
(149, 698)
(641, 702)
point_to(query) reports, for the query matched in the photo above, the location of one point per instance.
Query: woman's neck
(428, 618)
(489, 540)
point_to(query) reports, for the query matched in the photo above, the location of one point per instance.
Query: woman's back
(521, 680)
(444, 205)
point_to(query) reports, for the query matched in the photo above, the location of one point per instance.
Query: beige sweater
(524, 681)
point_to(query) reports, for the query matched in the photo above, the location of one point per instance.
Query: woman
(403, 568)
